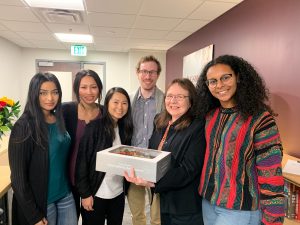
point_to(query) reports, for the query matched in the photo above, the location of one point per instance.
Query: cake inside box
(141, 153)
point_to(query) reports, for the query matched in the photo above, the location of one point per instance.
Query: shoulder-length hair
(33, 108)
(251, 93)
(124, 123)
(81, 74)
(184, 121)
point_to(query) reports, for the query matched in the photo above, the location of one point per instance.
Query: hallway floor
(127, 214)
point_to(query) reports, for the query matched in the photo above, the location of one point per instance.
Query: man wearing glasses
(146, 103)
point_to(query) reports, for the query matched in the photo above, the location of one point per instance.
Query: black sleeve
(19, 153)
(190, 165)
(85, 160)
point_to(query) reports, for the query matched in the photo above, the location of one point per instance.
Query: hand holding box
(149, 164)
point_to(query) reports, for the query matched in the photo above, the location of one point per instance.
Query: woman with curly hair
(241, 181)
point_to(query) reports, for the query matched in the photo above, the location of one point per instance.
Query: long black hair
(251, 94)
(124, 123)
(34, 112)
(81, 74)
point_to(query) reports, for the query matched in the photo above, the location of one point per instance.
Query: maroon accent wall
(267, 34)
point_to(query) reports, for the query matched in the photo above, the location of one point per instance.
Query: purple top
(79, 133)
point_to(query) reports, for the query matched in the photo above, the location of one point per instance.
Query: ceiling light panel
(57, 4)
(74, 38)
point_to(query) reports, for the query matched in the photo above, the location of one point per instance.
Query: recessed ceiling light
(74, 38)
(57, 4)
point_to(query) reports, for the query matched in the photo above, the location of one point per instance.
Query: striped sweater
(242, 167)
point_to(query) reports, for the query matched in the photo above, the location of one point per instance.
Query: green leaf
(4, 128)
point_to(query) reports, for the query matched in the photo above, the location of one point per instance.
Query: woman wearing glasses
(178, 131)
(241, 181)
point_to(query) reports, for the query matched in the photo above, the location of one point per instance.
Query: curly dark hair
(251, 94)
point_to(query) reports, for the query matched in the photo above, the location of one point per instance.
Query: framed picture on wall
(194, 62)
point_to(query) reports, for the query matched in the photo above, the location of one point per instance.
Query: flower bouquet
(9, 111)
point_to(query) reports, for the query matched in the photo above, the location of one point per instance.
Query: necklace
(88, 114)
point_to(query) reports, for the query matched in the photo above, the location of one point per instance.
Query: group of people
(225, 150)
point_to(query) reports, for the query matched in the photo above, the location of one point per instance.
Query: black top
(178, 188)
(95, 139)
(70, 114)
(29, 173)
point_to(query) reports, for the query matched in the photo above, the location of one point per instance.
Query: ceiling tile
(211, 10)
(110, 31)
(22, 43)
(114, 6)
(68, 28)
(17, 13)
(115, 41)
(191, 25)
(234, 1)
(156, 23)
(37, 36)
(48, 44)
(177, 36)
(2, 27)
(12, 2)
(25, 26)
(169, 8)
(117, 25)
(109, 48)
(150, 42)
(9, 34)
(111, 20)
(149, 34)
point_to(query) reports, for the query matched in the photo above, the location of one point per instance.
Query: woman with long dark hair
(241, 181)
(38, 157)
(87, 87)
(102, 194)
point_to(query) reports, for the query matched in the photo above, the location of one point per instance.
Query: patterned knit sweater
(242, 167)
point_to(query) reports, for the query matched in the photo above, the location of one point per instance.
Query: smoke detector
(61, 16)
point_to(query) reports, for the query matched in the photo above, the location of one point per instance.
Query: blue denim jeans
(215, 215)
(62, 212)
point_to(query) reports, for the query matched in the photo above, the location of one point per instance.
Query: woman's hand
(137, 180)
(87, 203)
(42, 222)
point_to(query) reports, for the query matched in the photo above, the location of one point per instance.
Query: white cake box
(149, 164)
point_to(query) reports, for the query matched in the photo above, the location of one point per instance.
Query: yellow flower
(9, 112)
(8, 101)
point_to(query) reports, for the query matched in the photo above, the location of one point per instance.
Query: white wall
(116, 64)
(18, 65)
(10, 59)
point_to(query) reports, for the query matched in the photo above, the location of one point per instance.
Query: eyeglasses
(212, 83)
(150, 72)
(178, 98)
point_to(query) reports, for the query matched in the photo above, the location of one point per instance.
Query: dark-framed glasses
(178, 98)
(212, 83)
(150, 72)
